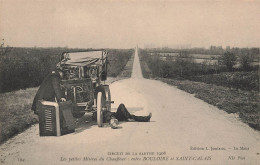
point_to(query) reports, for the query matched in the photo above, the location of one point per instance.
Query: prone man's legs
(122, 114)
(142, 118)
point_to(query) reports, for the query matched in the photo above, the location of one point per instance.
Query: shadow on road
(84, 123)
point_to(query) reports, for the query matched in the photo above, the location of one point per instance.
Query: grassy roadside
(242, 102)
(118, 59)
(127, 71)
(15, 110)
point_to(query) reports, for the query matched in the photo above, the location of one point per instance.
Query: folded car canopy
(84, 58)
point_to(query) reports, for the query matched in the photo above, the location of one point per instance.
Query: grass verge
(117, 60)
(15, 112)
(240, 80)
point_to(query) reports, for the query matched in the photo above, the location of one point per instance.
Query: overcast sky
(116, 24)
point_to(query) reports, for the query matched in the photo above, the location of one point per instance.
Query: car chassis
(83, 73)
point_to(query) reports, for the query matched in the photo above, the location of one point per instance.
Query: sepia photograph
(129, 82)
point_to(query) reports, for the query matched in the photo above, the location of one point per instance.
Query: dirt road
(183, 130)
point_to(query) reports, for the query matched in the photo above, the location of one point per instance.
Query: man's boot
(142, 118)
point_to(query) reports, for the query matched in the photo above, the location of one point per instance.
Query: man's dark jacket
(49, 90)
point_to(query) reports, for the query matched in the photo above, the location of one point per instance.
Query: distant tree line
(184, 67)
(22, 68)
(213, 50)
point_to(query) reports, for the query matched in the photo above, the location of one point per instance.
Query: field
(197, 56)
(234, 92)
(15, 111)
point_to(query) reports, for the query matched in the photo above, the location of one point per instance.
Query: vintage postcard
(129, 82)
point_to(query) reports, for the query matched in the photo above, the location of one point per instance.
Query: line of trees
(221, 72)
(229, 60)
(185, 63)
(213, 50)
(22, 68)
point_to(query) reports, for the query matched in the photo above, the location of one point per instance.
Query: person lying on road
(121, 114)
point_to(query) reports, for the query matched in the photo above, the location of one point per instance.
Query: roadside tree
(4, 50)
(183, 62)
(228, 59)
(245, 60)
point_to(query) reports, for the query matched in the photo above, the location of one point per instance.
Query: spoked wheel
(100, 106)
(108, 98)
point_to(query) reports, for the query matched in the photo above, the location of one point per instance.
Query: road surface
(183, 130)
